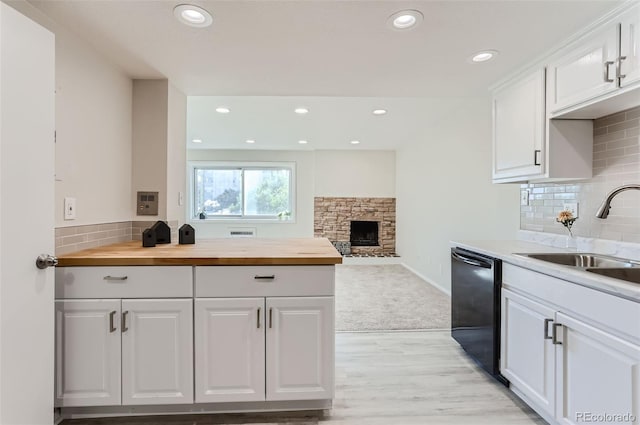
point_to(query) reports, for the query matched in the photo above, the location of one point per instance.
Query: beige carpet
(387, 297)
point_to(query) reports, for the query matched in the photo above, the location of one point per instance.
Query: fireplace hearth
(364, 233)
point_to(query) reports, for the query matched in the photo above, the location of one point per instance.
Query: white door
(87, 353)
(518, 128)
(630, 47)
(26, 219)
(229, 341)
(598, 374)
(157, 351)
(300, 348)
(527, 354)
(588, 70)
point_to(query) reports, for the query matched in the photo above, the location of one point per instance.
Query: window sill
(241, 221)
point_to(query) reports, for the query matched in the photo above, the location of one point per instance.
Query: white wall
(366, 174)
(444, 192)
(301, 227)
(176, 154)
(93, 128)
(149, 172)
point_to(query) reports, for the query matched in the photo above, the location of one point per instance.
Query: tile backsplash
(616, 161)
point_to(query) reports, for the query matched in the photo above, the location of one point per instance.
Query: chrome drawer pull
(546, 328)
(115, 278)
(265, 277)
(554, 334)
(124, 321)
(112, 327)
(258, 317)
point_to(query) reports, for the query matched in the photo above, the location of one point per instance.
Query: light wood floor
(392, 378)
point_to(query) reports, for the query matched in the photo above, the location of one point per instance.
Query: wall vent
(242, 232)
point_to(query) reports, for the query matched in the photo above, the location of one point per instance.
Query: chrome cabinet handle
(619, 73)
(606, 71)
(124, 321)
(536, 156)
(118, 278)
(554, 334)
(270, 317)
(258, 317)
(112, 327)
(546, 328)
(43, 261)
(265, 277)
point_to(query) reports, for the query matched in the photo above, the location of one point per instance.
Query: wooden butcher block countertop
(210, 252)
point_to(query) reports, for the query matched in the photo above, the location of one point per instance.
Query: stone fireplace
(368, 224)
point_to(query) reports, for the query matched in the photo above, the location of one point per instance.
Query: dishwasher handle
(471, 261)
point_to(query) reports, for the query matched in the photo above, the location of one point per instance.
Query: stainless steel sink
(584, 260)
(627, 273)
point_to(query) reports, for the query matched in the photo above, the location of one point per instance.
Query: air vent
(243, 232)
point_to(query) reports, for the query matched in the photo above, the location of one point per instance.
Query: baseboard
(429, 281)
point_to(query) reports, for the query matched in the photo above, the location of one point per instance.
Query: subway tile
(624, 125)
(599, 131)
(632, 132)
(609, 137)
(609, 120)
(623, 143)
(632, 113)
(631, 150)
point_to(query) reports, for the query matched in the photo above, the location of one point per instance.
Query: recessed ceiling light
(301, 111)
(302, 142)
(223, 110)
(405, 19)
(379, 111)
(355, 142)
(193, 16)
(250, 141)
(483, 56)
(197, 140)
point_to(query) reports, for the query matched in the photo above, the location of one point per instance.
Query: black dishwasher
(475, 307)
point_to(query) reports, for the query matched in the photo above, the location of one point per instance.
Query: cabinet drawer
(264, 281)
(124, 282)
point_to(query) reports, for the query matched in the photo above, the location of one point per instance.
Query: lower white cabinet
(527, 355)
(245, 344)
(597, 374)
(570, 370)
(130, 352)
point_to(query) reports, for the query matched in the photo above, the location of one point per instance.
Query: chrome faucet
(603, 211)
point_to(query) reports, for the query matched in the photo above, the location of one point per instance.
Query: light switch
(180, 199)
(147, 203)
(69, 208)
(571, 206)
(524, 197)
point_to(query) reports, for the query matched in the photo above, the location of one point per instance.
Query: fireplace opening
(364, 233)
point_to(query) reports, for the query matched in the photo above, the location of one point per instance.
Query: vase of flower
(567, 219)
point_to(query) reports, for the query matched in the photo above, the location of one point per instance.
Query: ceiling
(339, 56)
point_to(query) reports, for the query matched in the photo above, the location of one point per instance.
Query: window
(246, 191)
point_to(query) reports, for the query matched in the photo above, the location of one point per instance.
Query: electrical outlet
(180, 199)
(571, 206)
(69, 208)
(524, 197)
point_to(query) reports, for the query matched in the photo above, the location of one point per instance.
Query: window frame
(192, 209)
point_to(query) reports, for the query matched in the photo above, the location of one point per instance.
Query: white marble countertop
(505, 250)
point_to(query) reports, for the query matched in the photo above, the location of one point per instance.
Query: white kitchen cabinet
(597, 373)
(87, 340)
(527, 355)
(157, 351)
(598, 74)
(229, 349)
(529, 147)
(564, 367)
(519, 127)
(630, 47)
(300, 348)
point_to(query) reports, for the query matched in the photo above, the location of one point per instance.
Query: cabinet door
(588, 70)
(157, 351)
(526, 351)
(87, 353)
(630, 47)
(518, 128)
(229, 341)
(598, 374)
(300, 348)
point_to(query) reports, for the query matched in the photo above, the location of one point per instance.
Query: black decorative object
(163, 232)
(186, 235)
(148, 238)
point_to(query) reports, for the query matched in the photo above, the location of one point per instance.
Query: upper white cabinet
(529, 147)
(596, 75)
(586, 71)
(518, 127)
(630, 47)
